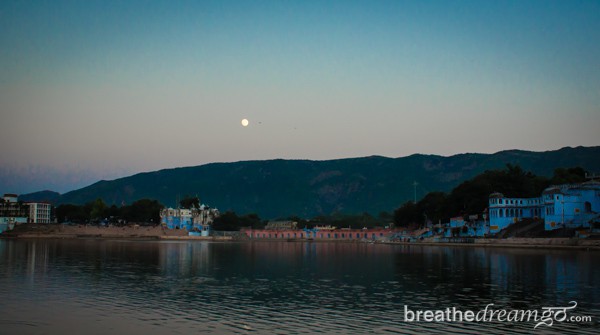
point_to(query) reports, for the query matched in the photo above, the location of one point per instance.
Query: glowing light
(245, 123)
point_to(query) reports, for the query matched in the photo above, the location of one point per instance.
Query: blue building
(197, 221)
(569, 206)
(12, 212)
(572, 206)
(473, 227)
(505, 211)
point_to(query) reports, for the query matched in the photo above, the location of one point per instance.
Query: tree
(406, 214)
(71, 213)
(433, 207)
(228, 221)
(142, 211)
(472, 196)
(189, 202)
(99, 210)
(568, 176)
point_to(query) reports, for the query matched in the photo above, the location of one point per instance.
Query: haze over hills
(282, 188)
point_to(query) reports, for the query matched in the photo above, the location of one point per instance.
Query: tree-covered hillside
(303, 188)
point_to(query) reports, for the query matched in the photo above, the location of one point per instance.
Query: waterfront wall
(338, 234)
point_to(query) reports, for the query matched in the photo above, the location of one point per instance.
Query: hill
(304, 188)
(42, 196)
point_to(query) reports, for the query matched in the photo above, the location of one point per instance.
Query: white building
(39, 212)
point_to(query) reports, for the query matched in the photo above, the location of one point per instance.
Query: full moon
(245, 122)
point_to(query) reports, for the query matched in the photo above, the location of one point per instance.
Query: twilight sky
(95, 90)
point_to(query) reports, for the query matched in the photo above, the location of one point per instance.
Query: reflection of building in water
(195, 220)
(37, 259)
(565, 273)
(556, 274)
(184, 259)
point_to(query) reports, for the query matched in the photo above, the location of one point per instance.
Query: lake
(93, 286)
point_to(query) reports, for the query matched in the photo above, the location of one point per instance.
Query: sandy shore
(159, 233)
(83, 231)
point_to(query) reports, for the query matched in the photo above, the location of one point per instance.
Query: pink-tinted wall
(338, 234)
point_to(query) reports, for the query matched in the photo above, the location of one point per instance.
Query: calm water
(150, 287)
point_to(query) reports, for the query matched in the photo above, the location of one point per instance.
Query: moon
(245, 122)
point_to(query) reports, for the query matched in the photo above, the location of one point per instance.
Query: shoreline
(158, 233)
(111, 232)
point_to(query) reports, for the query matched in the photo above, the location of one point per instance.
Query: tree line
(472, 196)
(143, 211)
(230, 221)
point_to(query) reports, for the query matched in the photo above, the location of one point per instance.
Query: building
(318, 234)
(194, 220)
(505, 211)
(473, 227)
(572, 205)
(281, 225)
(39, 212)
(568, 206)
(12, 212)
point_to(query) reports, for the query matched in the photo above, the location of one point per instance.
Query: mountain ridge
(307, 188)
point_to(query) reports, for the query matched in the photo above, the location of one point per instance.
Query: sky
(94, 90)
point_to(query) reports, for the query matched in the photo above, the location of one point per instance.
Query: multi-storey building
(39, 212)
(572, 205)
(506, 211)
(194, 220)
(12, 212)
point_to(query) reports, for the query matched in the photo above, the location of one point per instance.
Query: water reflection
(99, 286)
